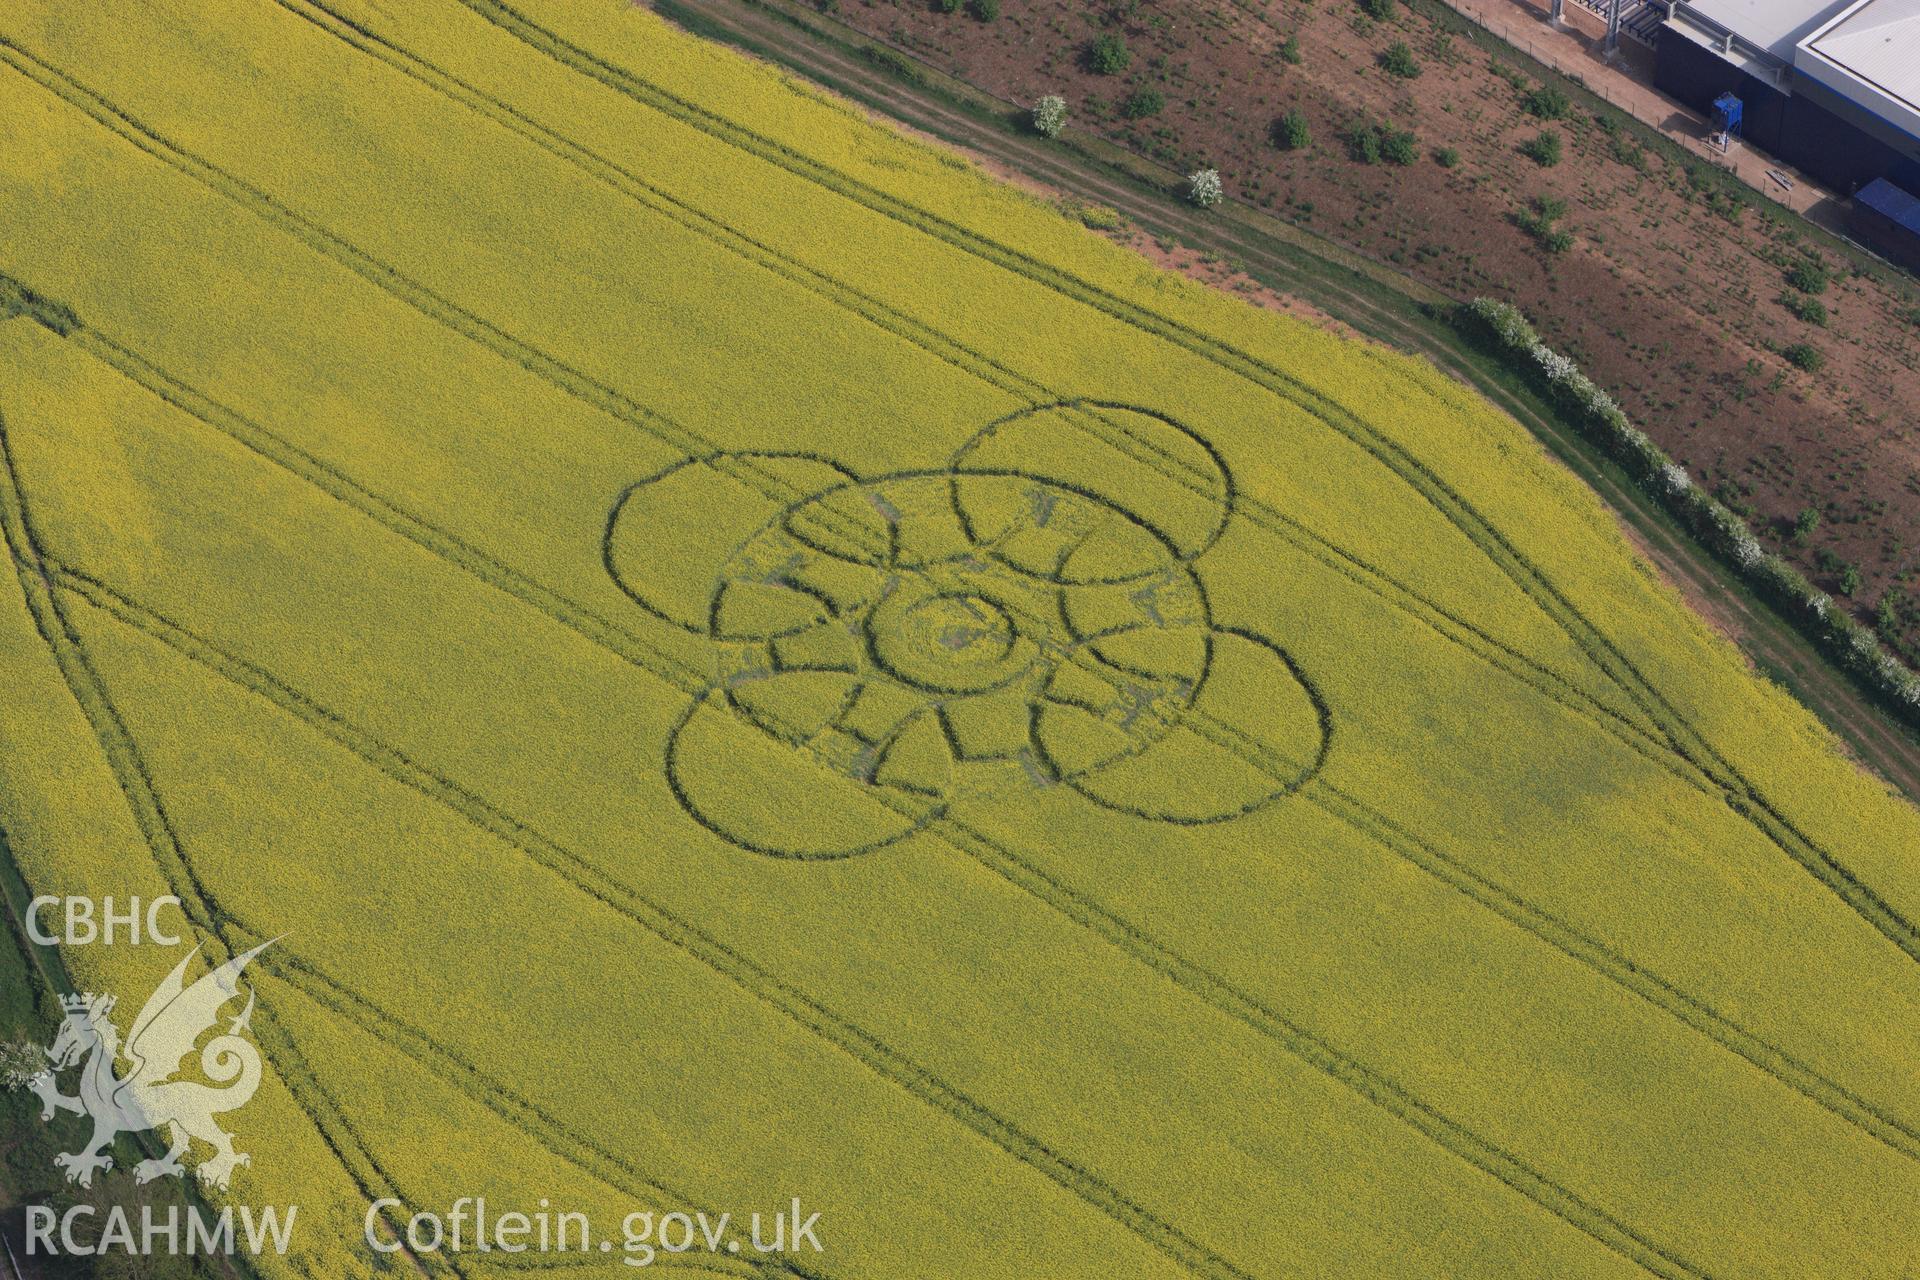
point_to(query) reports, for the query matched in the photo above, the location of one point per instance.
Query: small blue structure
(1888, 218)
(1900, 207)
(1726, 115)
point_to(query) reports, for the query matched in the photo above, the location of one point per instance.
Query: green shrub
(985, 10)
(1729, 204)
(1886, 618)
(1050, 115)
(1544, 149)
(1629, 153)
(950, 6)
(1290, 51)
(1108, 54)
(1378, 10)
(1363, 143)
(1808, 276)
(1446, 158)
(1371, 143)
(1849, 579)
(1802, 356)
(1290, 131)
(1811, 310)
(1783, 582)
(1143, 102)
(1538, 221)
(1547, 102)
(1398, 60)
(1805, 523)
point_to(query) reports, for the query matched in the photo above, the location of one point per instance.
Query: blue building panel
(1902, 208)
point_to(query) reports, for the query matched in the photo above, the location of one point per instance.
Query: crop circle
(1014, 620)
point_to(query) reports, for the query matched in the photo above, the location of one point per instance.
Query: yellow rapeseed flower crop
(743, 659)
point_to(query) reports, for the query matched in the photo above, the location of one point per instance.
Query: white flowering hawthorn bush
(1723, 531)
(1204, 187)
(20, 1062)
(1050, 115)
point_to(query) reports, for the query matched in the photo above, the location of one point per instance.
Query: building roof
(1758, 34)
(1870, 52)
(1865, 51)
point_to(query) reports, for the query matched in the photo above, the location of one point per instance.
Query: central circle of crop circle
(950, 641)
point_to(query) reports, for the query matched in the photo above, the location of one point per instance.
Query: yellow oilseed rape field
(734, 658)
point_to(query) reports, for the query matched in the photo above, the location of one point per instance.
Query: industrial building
(1830, 86)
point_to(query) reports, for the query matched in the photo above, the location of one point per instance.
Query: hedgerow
(1855, 648)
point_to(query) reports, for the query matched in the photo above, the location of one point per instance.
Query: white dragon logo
(148, 1097)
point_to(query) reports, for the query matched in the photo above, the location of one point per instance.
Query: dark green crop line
(16, 299)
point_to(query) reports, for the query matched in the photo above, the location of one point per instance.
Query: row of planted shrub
(1502, 328)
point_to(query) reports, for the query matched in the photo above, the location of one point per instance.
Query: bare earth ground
(1207, 268)
(1669, 296)
(1211, 269)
